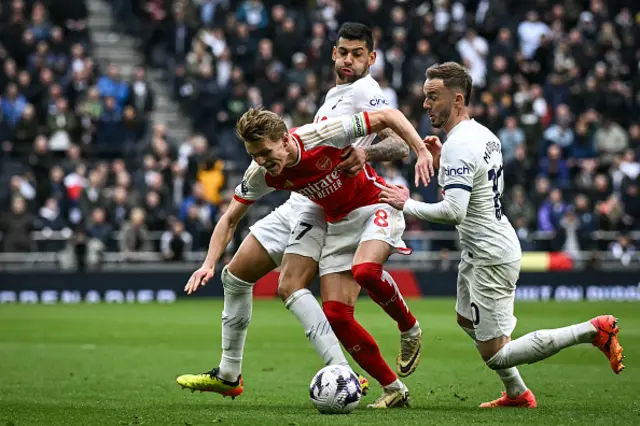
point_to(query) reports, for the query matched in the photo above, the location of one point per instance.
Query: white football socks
(413, 331)
(395, 385)
(513, 383)
(236, 316)
(309, 313)
(541, 344)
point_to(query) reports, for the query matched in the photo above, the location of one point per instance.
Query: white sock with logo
(309, 313)
(513, 383)
(236, 316)
(541, 344)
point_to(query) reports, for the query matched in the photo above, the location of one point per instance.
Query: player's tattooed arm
(390, 148)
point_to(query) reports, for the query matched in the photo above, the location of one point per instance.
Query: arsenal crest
(324, 163)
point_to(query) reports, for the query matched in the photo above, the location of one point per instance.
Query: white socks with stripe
(513, 383)
(541, 344)
(309, 313)
(236, 316)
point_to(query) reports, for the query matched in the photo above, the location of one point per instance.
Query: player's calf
(358, 342)
(384, 291)
(541, 344)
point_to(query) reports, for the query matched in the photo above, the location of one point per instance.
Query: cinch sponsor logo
(459, 171)
(378, 101)
(323, 188)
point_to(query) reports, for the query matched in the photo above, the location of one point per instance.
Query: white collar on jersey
(296, 138)
(457, 126)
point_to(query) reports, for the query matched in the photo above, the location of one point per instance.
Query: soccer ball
(335, 390)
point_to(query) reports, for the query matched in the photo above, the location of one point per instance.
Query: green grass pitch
(116, 364)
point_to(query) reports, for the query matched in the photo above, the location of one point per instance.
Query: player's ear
(460, 101)
(334, 53)
(372, 58)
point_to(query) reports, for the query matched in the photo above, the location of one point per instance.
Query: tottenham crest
(324, 163)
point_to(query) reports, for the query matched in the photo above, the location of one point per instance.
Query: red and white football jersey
(314, 174)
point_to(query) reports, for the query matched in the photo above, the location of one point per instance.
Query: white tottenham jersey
(346, 100)
(471, 160)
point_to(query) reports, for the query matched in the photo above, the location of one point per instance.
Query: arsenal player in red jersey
(362, 233)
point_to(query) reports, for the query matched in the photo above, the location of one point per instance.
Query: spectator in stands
(92, 195)
(110, 129)
(110, 85)
(554, 168)
(583, 146)
(176, 242)
(98, 228)
(611, 139)
(211, 177)
(560, 133)
(119, 208)
(511, 136)
(519, 206)
(16, 226)
(25, 131)
(13, 105)
(140, 94)
(134, 236)
(623, 249)
(50, 217)
(551, 211)
(206, 211)
(156, 216)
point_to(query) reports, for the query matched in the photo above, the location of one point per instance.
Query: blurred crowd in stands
(557, 81)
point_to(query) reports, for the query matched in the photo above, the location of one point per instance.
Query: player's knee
(367, 274)
(287, 288)
(293, 281)
(337, 313)
(233, 284)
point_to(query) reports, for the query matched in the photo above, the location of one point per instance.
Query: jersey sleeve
(253, 185)
(339, 132)
(369, 98)
(458, 166)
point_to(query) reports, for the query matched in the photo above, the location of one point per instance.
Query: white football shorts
(375, 222)
(486, 295)
(294, 228)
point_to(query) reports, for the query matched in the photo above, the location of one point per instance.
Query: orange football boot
(525, 400)
(606, 339)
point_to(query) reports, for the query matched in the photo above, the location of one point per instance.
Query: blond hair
(257, 125)
(453, 76)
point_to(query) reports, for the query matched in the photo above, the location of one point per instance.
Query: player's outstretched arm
(390, 148)
(451, 210)
(396, 121)
(222, 235)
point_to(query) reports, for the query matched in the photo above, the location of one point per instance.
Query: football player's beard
(353, 77)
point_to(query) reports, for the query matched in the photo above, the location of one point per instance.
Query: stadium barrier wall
(167, 287)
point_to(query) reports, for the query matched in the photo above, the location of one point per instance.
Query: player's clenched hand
(198, 278)
(424, 168)
(353, 160)
(395, 195)
(434, 145)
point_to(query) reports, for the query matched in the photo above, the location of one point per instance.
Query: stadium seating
(85, 172)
